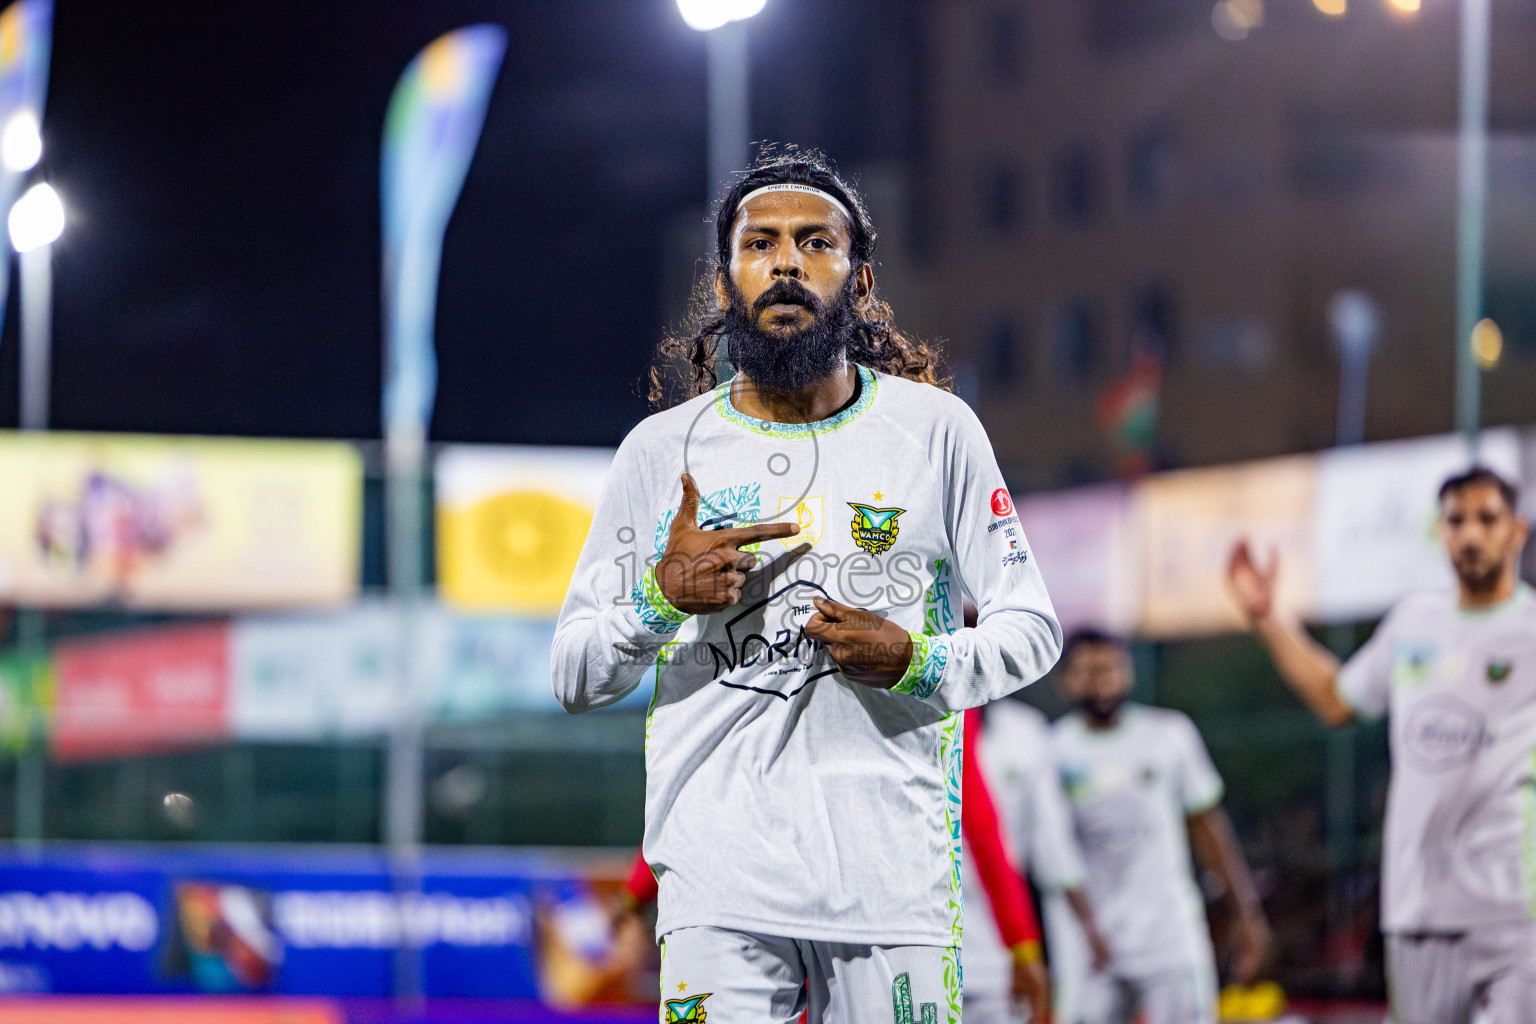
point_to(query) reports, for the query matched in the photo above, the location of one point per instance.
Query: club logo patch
(686, 1011)
(874, 529)
(1413, 664)
(1499, 669)
(804, 513)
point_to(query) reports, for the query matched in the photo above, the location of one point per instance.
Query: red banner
(141, 693)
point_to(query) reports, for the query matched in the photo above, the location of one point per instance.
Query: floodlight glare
(21, 141)
(704, 15)
(37, 219)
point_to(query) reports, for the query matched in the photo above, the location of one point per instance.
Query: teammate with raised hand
(803, 748)
(1456, 670)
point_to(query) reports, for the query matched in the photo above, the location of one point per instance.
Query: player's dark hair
(1482, 475)
(875, 342)
(1089, 637)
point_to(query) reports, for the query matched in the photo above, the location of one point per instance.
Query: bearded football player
(788, 548)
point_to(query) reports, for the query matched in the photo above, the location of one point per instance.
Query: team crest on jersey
(1499, 670)
(805, 513)
(1413, 664)
(874, 529)
(686, 1011)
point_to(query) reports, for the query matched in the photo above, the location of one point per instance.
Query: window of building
(1233, 343)
(1154, 322)
(1002, 199)
(1002, 44)
(1077, 184)
(1076, 342)
(1123, 26)
(1150, 157)
(1511, 303)
(1003, 345)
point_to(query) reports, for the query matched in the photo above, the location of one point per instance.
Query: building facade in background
(1131, 225)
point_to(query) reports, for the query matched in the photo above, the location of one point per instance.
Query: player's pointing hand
(868, 648)
(703, 571)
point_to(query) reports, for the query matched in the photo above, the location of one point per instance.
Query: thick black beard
(789, 363)
(1097, 711)
(1474, 582)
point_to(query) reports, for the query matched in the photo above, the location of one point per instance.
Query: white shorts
(1184, 996)
(1487, 975)
(745, 978)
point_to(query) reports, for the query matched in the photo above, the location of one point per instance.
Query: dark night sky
(220, 273)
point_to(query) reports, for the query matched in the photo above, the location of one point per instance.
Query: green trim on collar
(868, 385)
(1517, 599)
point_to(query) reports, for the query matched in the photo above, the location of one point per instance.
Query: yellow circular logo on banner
(514, 551)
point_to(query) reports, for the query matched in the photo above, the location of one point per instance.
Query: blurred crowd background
(1194, 265)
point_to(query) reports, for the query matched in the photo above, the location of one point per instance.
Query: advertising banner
(312, 676)
(177, 523)
(511, 522)
(1375, 519)
(142, 692)
(486, 666)
(316, 922)
(26, 698)
(232, 1010)
(1187, 522)
(332, 675)
(1083, 543)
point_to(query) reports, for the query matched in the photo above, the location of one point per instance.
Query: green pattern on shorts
(901, 1003)
(954, 984)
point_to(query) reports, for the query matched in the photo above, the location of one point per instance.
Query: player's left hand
(1252, 941)
(1030, 982)
(869, 648)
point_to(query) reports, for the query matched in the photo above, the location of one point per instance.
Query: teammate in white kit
(1013, 756)
(1456, 670)
(1142, 789)
(803, 747)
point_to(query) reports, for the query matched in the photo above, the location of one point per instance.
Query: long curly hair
(687, 361)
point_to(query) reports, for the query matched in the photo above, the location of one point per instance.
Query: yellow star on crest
(682, 986)
(878, 496)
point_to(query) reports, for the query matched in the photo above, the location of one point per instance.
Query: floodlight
(21, 141)
(705, 15)
(37, 219)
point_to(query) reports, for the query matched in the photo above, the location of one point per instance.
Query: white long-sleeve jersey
(780, 797)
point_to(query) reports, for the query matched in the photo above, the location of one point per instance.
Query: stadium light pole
(1356, 324)
(35, 223)
(724, 25)
(1471, 212)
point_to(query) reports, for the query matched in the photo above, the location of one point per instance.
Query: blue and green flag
(430, 133)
